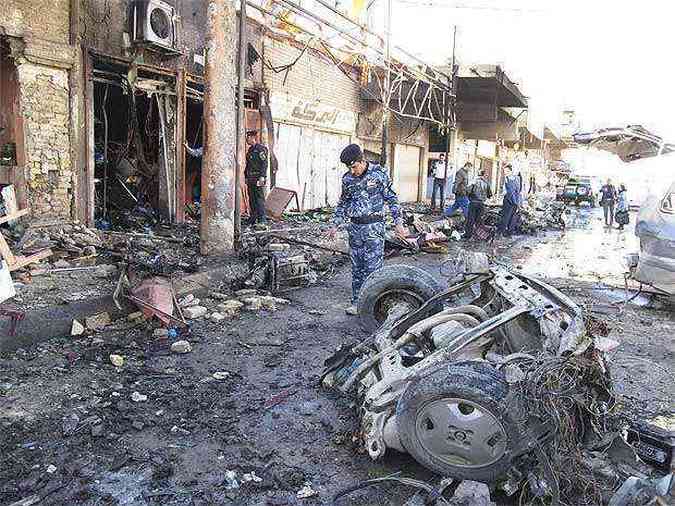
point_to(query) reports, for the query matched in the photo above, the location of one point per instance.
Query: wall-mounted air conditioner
(153, 24)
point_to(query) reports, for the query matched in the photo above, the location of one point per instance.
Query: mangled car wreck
(453, 374)
(655, 265)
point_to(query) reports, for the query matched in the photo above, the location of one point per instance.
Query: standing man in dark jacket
(479, 192)
(460, 191)
(607, 200)
(256, 177)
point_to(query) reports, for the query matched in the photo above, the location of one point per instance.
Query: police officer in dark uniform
(365, 190)
(256, 176)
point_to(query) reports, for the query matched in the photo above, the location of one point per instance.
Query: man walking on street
(366, 187)
(460, 189)
(511, 202)
(438, 173)
(607, 200)
(479, 192)
(256, 177)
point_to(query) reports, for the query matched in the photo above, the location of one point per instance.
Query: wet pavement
(72, 433)
(586, 251)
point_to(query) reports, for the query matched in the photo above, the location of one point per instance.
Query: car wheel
(392, 285)
(457, 422)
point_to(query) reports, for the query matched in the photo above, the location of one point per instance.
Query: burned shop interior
(137, 184)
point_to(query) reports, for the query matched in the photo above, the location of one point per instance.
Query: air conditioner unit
(153, 24)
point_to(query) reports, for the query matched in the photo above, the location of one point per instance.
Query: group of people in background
(470, 197)
(614, 204)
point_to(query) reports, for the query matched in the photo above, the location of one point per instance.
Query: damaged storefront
(314, 107)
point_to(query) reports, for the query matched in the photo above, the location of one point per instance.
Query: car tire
(409, 281)
(478, 386)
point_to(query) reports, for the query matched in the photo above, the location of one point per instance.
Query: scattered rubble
(97, 321)
(138, 397)
(117, 360)
(181, 347)
(77, 329)
(194, 312)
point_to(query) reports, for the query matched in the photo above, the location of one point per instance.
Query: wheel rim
(392, 298)
(460, 433)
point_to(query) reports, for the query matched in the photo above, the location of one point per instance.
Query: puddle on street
(586, 250)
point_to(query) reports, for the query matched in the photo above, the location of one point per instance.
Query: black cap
(251, 132)
(351, 154)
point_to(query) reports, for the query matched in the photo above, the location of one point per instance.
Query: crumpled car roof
(633, 142)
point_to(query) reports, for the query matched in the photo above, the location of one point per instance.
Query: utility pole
(449, 106)
(241, 121)
(387, 86)
(220, 132)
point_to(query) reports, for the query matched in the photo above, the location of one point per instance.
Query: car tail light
(668, 203)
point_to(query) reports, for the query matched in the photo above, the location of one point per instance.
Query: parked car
(579, 189)
(655, 264)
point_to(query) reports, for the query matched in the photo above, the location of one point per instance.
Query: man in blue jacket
(511, 203)
(366, 188)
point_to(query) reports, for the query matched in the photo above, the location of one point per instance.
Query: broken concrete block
(117, 360)
(271, 303)
(217, 317)
(253, 303)
(187, 301)
(137, 316)
(138, 397)
(104, 271)
(277, 246)
(221, 375)
(61, 264)
(194, 312)
(181, 347)
(160, 332)
(246, 292)
(230, 305)
(77, 329)
(89, 250)
(97, 321)
(192, 303)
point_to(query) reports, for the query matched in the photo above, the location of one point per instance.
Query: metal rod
(105, 152)
(386, 95)
(316, 18)
(127, 189)
(369, 32)
(304, 243)
(241, 124)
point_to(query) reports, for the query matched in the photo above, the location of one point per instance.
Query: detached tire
(456, 421)
(392, 284)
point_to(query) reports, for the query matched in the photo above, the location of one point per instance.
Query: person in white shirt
(438, 173)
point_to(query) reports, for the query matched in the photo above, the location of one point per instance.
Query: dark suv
(578, 190)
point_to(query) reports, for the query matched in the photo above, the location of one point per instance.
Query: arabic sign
(296, 110)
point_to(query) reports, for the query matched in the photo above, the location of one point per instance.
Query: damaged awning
(633, 142)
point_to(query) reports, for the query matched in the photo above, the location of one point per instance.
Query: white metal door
(287, 148)
(406, 177)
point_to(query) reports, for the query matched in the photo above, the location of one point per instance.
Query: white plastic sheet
(6, 284)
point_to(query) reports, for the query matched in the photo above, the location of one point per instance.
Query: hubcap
(460, 433)
(398, 299)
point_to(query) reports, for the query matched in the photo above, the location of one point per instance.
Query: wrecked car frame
(431, 380)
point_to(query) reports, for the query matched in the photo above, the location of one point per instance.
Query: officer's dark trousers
(475, 212)
(506, 223)
(256, 195)
(439, 185)
(366, 249)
